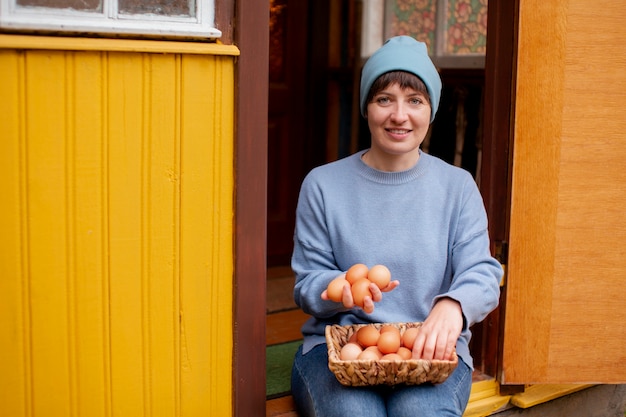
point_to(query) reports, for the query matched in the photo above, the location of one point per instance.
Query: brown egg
(389, 328)
(355, 272)
(361, 289)
(335, 289)
(353, 338)
(367, 336)
(368, 355)
(388, 342)
(350, 351)
(405, 353)
(408, 337)
(392, 357)
(374, 349)
(379, 275)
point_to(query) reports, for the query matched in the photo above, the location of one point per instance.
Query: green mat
(278, 361)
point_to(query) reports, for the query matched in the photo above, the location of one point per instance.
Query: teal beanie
(402, 53)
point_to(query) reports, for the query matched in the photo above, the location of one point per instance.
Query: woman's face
(398, 120)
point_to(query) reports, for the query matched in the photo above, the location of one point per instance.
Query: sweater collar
(392, 178)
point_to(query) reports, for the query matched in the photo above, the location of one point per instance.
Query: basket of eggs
(380, 353)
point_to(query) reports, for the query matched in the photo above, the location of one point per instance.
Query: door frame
(495, 179)
(251, 108)
(251, 182)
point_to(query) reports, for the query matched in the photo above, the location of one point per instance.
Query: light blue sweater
(427, 225)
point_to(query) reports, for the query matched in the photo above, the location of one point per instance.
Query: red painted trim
(251, 33)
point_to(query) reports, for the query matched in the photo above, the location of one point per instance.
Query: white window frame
(109, 21)
(372, 36)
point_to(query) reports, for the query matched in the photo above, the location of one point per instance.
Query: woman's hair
(403, 79)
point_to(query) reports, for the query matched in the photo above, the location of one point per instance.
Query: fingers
(377, 295)
(347, 299)
(368, 302)
(392, 285)
(368, 305)
(439, 332)
(433, 345)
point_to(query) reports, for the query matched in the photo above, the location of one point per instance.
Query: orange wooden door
(564, 320)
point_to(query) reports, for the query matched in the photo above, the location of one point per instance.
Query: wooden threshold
(284, 326)
(281, 407)
(539, 394)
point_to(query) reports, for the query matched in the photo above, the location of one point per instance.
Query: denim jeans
(317, 393)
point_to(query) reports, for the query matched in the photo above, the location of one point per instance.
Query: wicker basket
(370, 372)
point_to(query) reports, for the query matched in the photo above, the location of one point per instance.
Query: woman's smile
(398, 133)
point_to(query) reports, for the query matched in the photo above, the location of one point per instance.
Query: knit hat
(402, 53)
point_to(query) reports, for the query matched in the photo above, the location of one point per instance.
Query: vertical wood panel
(126, 257)
(161, 230)
(564, 315)
(48, 238)
(206, 227)
(125, 196)
(590, 257)
(535, 178)
(118, 210)
(14, 313)
(90, 312)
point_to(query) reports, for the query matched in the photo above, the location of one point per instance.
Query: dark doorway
(313, 69)
(286, 121)
(296, 144)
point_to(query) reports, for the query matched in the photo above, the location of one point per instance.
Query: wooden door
(287, 131)
(564, 320)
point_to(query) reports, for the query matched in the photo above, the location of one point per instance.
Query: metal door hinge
(502, 254)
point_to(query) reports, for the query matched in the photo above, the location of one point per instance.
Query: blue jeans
(317, 393)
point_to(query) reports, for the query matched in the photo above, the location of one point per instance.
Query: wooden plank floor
(280, 407)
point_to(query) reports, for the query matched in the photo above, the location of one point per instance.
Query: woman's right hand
(368, 302)
(346, 296)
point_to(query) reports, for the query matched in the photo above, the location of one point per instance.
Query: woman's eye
(415, 101)
(382, 100)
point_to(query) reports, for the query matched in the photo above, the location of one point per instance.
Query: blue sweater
(427, 225)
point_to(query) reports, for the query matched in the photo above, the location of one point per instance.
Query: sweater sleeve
(313, 261)
(475, 273)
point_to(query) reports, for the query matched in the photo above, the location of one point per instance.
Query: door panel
(286, 123)
(564, 315)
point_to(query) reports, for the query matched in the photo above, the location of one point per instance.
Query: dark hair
(403, 79)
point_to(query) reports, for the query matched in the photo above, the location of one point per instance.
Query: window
(454, 30)
(164, 18)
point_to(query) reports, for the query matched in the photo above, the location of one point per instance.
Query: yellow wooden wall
(116, 227)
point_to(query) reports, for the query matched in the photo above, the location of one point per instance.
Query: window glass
(160, 7)
(85, 5)
(188, 19)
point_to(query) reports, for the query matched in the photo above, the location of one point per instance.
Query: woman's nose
(399, 113)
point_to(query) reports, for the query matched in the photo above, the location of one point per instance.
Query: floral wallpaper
(467, 26)
(416, 18)
(465, 30)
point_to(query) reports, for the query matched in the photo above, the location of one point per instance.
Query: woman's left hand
(440, 331)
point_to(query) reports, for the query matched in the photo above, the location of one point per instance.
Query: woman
(421, 217)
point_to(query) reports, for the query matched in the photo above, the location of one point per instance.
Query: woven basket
(369, 372)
